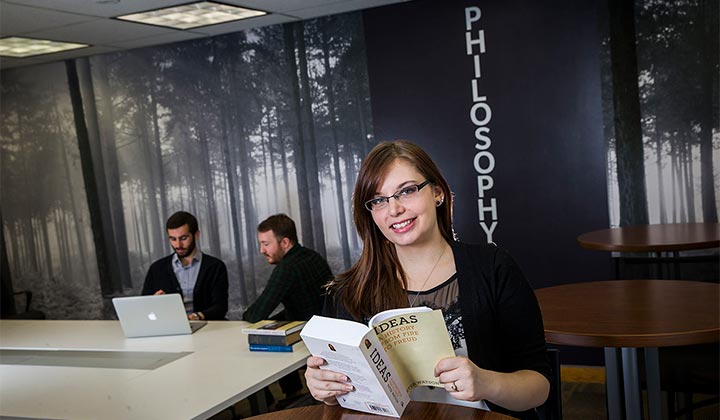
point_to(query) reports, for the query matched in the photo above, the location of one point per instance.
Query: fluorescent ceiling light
(15, 46)
(192, 15)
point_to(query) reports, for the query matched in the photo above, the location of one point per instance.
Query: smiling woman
(410, 256)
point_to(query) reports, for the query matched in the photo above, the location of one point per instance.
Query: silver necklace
(412, 304)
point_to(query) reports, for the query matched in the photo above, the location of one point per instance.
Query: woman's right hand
(325, 385)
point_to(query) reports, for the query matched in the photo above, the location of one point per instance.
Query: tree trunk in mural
(93, 131)
(239, 162)
(63, 242)
(303, 189)
(688, 174)
(248, 207)
(6, 287)
(76, 211)
(283, 160)
(235, 224)
(26, 235)
(157, 149)
(156, 227)
(268, 145)
(350, 176)
(628, 133)
(270, 183)
(138, 236)
(46, 247)
(15, 247)
(211, 231)
(679, 184)
(62, 239)
(313, 170)
(112, 172)
(336, 160)
(658, 163)
(710, 111)
(106, 283)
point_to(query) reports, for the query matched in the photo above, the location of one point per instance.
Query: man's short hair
(281, 225)
(180, 219)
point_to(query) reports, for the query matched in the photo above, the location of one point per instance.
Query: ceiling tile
(9, 62)
(89, 21)
(100, 8)
(17, 20)
(244, 24)
(308, 11)
(177, 36)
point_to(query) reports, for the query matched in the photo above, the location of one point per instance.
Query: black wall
(541, 75)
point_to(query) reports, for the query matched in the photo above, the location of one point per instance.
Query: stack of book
(269, 335)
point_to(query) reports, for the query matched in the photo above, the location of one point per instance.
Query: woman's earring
(439, 203)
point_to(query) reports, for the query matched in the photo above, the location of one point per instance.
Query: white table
(218, 372)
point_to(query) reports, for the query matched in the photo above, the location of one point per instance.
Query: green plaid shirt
(296, 282)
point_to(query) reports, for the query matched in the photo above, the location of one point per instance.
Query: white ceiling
(89, 22)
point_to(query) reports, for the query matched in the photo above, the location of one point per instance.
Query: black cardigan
(210, 295)
(500, 314)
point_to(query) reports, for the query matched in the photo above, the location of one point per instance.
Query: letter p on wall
(472, 14)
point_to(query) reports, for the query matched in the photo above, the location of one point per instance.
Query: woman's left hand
(464, 380)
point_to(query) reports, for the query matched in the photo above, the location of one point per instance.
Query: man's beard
(187, 251)
(274, 258)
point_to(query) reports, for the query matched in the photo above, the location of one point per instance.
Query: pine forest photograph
(231, 128)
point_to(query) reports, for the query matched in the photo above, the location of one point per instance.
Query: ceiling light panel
(27, 47)
(193, 15)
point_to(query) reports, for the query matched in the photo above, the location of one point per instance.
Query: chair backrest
(552, 408)
(26, 312)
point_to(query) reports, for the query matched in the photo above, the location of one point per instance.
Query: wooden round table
(654, 239)
(414, 410)
(631, 314)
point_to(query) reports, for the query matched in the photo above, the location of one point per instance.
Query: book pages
(415, 343)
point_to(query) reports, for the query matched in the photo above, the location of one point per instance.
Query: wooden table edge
(595, 246)
(641, 340)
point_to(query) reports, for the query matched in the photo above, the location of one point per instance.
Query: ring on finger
(454, 386)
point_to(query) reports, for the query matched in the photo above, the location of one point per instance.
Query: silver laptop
(149, 316)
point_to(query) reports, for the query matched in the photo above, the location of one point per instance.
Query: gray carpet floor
(586, 401)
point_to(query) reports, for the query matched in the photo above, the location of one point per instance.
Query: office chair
(552, 408)
(27, 313)
(689, 370)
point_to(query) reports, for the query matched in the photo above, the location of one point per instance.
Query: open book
(386, 360)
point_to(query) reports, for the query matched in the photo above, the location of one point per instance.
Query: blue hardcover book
(265, 347)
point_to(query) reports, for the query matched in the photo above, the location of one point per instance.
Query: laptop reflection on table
(152, 316)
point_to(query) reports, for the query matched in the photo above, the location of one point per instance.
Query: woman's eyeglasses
(407, 193)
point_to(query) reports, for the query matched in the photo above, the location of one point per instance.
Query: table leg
(652, 373)
(612, 384)
(659, 265)
(631, 383)
(617, 265)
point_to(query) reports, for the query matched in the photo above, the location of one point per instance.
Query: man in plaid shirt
(296, 281)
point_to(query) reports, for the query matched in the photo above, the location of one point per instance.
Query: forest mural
(675, 161)
(232, 128)
(95, 153)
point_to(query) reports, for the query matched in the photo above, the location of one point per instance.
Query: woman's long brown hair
(377, 282)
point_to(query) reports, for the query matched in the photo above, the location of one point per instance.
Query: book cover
(265, 347)
(274, 340)
(384, 360)
(271, 327)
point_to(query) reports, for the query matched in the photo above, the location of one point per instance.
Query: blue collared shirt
(187, 277)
